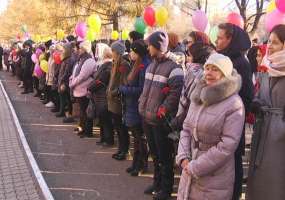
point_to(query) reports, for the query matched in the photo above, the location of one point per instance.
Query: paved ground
(74, 168)
(16, 180)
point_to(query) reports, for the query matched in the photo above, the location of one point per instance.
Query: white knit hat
(222, 62)
(86, 45)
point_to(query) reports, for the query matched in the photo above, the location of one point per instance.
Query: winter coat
(161, 75)
(210, 136)
(55, 77)
(65, 71)
(98, 90)
(51, 71)
(131, 93)
(193, 74)
(82, 75)
(27, 63)
(240, 43)
(119, 74)
(266, 178)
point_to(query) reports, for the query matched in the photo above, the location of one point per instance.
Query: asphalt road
(74, 168)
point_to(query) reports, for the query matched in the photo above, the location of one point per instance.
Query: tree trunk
(115, 21)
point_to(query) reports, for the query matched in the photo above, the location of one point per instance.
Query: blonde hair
(107, 53)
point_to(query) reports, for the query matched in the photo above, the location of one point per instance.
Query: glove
(161, 112)
(250, 118)
(165, 90)
(141, 66)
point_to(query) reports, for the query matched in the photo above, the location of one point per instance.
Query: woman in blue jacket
(131, 92)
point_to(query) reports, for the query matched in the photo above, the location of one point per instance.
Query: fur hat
(224, 63)
(86, 45)
(139, 47)
(119, 47)
(159, 40)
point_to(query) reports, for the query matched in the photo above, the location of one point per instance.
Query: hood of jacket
(240, 43)
(209, 95)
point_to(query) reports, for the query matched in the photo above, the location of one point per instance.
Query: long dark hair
(135, 70)
(279, 30)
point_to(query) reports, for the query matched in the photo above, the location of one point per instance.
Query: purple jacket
(79, 84)
(215, 121)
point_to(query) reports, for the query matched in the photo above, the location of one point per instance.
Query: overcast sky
(3, 4)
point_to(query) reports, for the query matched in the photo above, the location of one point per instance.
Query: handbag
(91, 110)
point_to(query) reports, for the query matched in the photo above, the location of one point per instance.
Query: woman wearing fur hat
(119, 74)
(211, 133)
(266, 178)
(131, 93)
(80, 80)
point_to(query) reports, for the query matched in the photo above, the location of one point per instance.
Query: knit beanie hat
(134, 35)
(159, 40)
(139, 47)
(86, 45)
(222, 62)
(118, 47)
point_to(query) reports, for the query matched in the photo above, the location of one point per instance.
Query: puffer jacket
(162, 88)
(210, 136)
(82, 75)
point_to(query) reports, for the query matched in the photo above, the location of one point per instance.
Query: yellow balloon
(115, 35)
(42, 57)
(60, 34)
(94, 22)
(161, 16)
(271, 6)
(44, 65)
(125, 34)
(91, 35)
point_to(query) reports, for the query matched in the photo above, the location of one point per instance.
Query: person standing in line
(159, 101)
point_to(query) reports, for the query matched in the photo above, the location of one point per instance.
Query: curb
(35, 168)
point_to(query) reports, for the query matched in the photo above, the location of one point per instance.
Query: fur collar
(209, 95)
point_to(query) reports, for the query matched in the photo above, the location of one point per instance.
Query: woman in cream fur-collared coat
(211, 133)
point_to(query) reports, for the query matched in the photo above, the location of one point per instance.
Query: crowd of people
(163, 92)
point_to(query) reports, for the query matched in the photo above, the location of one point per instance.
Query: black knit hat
(70, 38)
(139, 47)
(134, 35)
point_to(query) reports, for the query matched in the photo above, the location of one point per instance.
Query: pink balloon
(200, 20)
(274, 18)
(236, 19)
(81, 29)
(280, 5)
(38, 52)
(149, 16)
(34, 58)
(38, 72)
